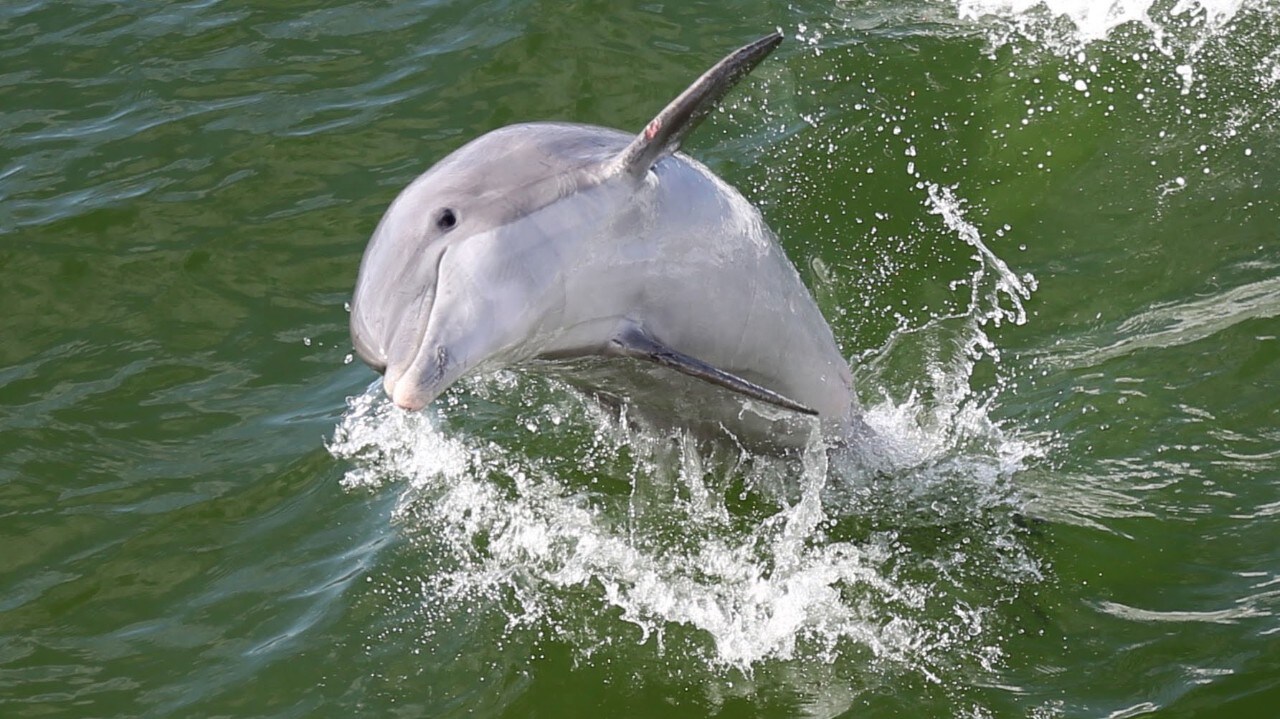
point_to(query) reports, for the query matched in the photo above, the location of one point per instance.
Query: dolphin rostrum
(566, 242)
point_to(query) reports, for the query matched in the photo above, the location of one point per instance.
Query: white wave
(1094, 20)
(1187, 32)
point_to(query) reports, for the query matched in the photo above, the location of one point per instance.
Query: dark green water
(1048, 239)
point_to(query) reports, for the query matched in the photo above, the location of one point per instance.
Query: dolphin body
(627, 265)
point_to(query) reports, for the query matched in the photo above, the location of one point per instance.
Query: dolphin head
(397, 289)
(463, 264)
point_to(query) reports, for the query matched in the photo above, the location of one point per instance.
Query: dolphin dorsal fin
(664, 133)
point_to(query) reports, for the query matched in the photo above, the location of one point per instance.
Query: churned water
(1045, 236)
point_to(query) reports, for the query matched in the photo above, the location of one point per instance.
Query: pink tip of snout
(404, 394)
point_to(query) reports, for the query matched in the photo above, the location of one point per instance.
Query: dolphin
(624, 263)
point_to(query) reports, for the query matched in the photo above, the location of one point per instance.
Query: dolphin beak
(394, 338)
(395, 321)
(417, 384)
(408, 397)
(438, 341)
(409, 401)
(427, 318)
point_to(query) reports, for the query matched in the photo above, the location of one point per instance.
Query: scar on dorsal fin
(633, 341)
(665, 132)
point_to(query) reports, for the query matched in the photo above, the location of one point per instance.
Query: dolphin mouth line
(426, 311)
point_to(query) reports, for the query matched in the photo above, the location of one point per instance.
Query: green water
(1047, 241)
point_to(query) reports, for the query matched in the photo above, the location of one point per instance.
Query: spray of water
(1091, 21)
(1183, 32)
(1180, 28)
(613, 536)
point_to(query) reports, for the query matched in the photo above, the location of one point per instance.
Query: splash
(619, 540)
(986, 303)
(1092, 21)
(1180, 31)
(741, 555)
(942, 416)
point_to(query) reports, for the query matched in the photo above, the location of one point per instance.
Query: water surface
(1044, 235)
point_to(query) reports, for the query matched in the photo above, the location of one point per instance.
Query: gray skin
(561, 242)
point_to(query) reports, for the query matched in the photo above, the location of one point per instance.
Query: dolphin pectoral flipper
(634, 342)
(664, 133)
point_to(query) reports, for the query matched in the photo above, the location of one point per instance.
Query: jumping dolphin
(566, 242)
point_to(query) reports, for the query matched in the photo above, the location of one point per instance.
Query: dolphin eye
(446, 220)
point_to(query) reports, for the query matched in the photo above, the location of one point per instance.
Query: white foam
(1094, 21)
(775, 589)
(1181, 31)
